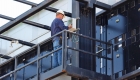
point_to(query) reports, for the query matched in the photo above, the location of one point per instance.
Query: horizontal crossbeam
(26, 15)
(27, 22)
(98, 4)
(47, 8)
(19, 41)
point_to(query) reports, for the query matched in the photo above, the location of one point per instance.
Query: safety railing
(89, 50)
(38, 59)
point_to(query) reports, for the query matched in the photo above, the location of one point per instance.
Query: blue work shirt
(56, 27)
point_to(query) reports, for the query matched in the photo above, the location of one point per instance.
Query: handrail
(64, 48)
(29, 63)
(86, 52)
(90, 38)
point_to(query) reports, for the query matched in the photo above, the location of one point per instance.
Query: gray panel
(51, 73)
(85, 74)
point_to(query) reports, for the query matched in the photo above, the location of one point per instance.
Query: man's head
(60, 14)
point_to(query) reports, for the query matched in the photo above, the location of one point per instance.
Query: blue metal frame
(26, 15)
(64, 48)
(47, 8)
(27, 22)
(105, 20)
(122, 28)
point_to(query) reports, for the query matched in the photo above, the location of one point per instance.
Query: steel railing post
(15, 73)
(64, 49)
(112, 62)
(38, 64)
(63, 42)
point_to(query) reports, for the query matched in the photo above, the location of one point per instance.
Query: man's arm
(61, 25)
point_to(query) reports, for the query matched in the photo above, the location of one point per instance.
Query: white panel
(30, 33)
(104, 1)
(63, 5)
(2, 60)
(3, 21)
(3, 46)
(110, 2)
(18, 51)
(98, 10)
(43, 37)
(46, 17)
(12, 8)
(24, 32)
(36, 1)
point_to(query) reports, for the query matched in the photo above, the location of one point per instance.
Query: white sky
(13, 9)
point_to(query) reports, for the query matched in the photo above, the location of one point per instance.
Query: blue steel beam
(27, 22)
(98, 4)
(47, 8)
(26, 15)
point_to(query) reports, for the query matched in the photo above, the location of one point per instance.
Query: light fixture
(14, 41)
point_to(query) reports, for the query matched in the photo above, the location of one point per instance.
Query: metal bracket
(92, 3)
(89, 2)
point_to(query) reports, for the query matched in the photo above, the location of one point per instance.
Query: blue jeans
(57, 56)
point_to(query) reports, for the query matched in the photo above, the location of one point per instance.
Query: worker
(56, 27)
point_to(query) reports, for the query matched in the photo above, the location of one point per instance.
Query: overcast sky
(13, 9)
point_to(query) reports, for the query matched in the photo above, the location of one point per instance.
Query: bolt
(112, 14)
(139, 9)
(118, 55)
(117, 20)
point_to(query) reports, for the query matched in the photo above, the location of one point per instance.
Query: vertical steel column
(63, 42)
(112, 62)
(90, 17)
(65, 49)
(38, 64)
(105, 21)
(93, 23)
(76, 15)
(15, 73)
(106, 51)
(75, 9)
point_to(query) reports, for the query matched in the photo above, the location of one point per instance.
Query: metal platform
(72, 71)
(36, 63)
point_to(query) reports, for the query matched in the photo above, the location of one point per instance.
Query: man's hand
(70, 26)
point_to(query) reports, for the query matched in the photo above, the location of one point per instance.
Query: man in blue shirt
(56, 27)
